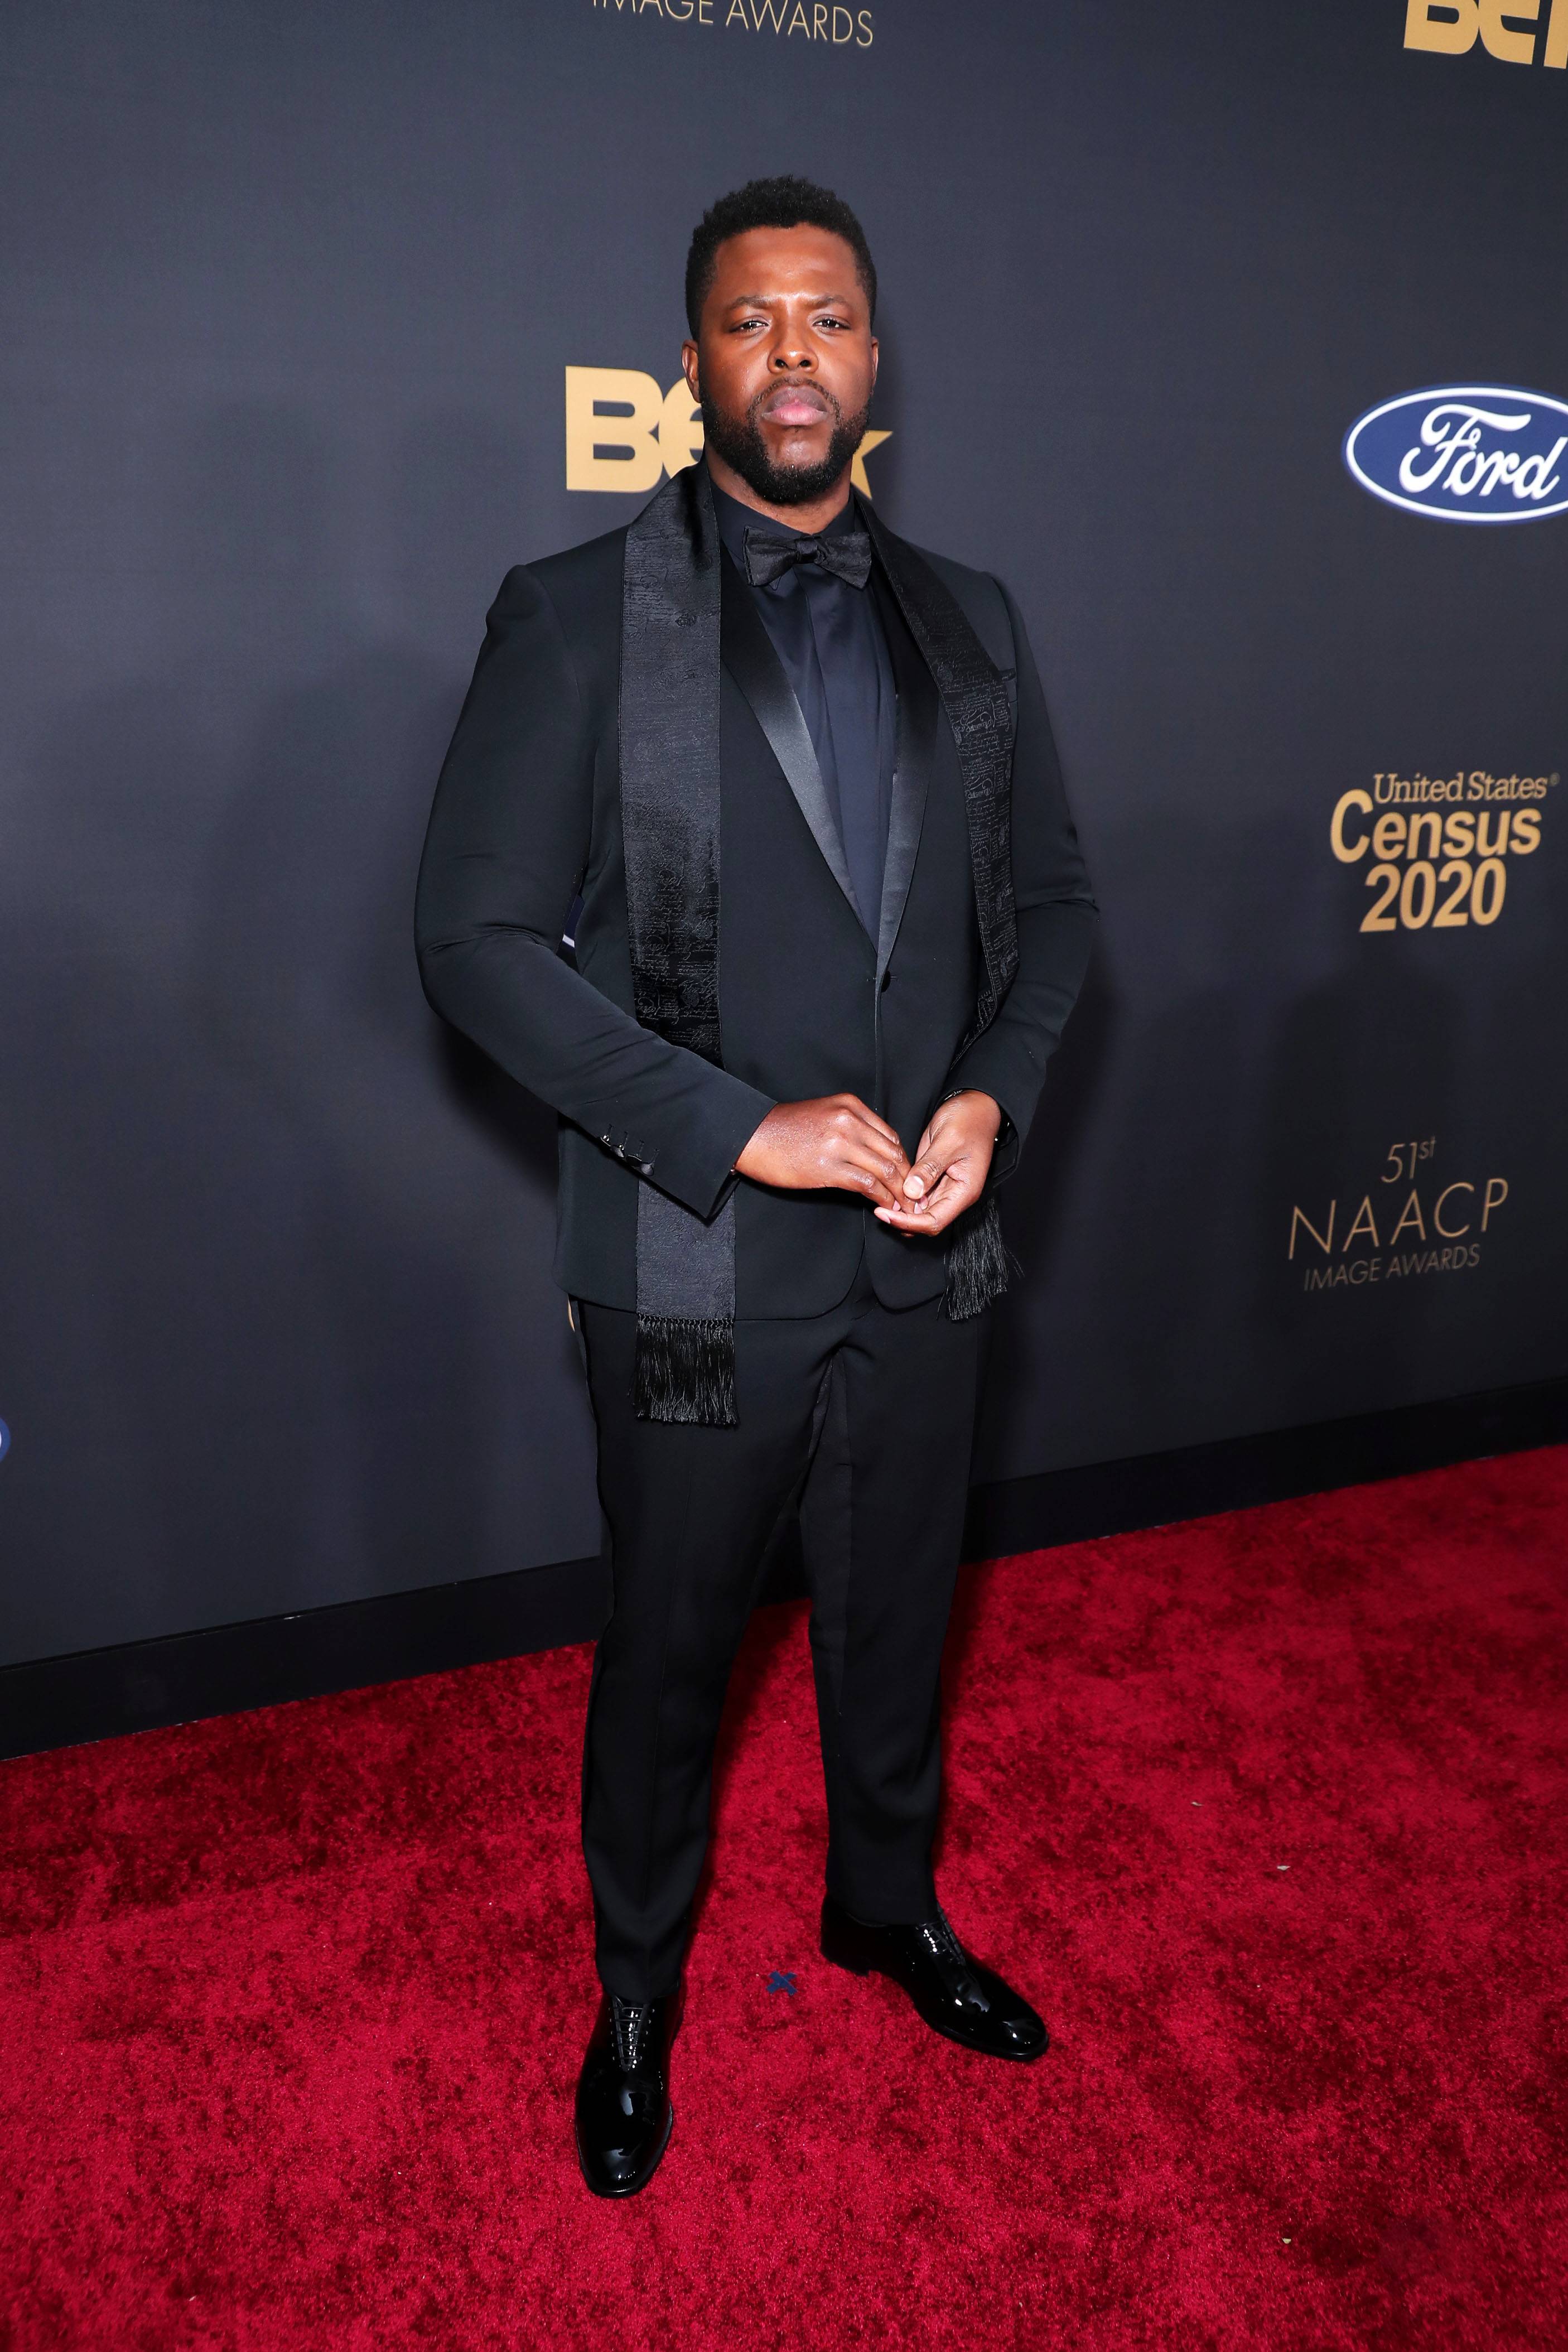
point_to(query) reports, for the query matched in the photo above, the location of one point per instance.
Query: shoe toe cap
(1025, 2035)
(1014, 2029)
(620, 2171)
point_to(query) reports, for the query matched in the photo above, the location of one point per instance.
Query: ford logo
(1465, 453)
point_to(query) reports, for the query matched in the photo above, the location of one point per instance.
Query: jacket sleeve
(1056, 922)
(507, 849)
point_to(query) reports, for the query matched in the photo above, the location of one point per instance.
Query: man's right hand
(832, 1141)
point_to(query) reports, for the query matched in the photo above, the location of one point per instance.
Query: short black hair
(785, 202)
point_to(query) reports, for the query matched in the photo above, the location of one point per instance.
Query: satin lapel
(978, 706)
(919, 712)
(748, 655)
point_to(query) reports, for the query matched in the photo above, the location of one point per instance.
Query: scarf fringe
(979, 1265)
(684, 1370)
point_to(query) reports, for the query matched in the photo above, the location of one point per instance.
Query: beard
(741, 442)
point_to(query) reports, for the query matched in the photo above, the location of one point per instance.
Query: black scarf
(670, 822)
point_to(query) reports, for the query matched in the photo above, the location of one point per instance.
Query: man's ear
(689, 368)
(875, 352)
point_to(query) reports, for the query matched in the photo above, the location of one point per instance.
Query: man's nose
(790, 357)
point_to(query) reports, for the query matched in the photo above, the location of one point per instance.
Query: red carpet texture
(1266, 1811)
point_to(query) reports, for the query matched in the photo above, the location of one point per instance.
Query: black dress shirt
(830, 638)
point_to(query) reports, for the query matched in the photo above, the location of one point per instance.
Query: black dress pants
(871, 1412)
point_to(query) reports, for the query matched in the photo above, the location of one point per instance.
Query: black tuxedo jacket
(527, 816)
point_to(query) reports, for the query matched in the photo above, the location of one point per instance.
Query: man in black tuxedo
(833, 919)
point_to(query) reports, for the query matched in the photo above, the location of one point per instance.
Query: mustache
(736, 436)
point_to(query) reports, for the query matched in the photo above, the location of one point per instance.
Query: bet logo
(623, 433)
(1453, 27)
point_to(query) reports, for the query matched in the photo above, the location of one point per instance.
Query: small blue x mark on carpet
(783, 1981)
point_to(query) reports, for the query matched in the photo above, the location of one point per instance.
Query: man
(833, 920)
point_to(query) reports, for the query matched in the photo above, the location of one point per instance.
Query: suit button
(886, 982)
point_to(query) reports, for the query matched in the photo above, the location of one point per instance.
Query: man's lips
(795, 407)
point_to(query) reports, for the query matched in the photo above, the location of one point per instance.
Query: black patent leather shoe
(623, 2114)
(958, 1996)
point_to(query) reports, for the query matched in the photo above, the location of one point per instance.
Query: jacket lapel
(748, 655)
(976, 697)
(919, 711)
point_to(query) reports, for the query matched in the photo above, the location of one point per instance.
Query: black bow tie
(768, 555)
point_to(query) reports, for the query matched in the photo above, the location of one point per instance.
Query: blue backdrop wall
(296, 298)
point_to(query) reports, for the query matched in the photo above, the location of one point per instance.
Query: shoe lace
(939, 1933)
(631, 2024)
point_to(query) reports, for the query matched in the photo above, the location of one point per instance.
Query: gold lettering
(1377, 917)
(1496, 1193)
(1526, 833)
(1453, 32)
(1417, 825)
(869, 441)
(818, 24)
(1449, 1232)
(1459, 834)
(680, 427)
(848, 33)
(865, 36)
(1323, 1241)
(1365, 1222)
(1557, 36)
(1388, 836)
(800, 16)
(1487, 844)
(1513, 49)
(1410, 1215)
(1348, 852)
(638, 462)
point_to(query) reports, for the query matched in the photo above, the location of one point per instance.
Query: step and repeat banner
(1234, 338)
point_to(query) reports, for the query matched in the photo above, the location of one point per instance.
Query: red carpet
(1266, 1811)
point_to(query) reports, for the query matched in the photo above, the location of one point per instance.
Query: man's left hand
(951, 1163)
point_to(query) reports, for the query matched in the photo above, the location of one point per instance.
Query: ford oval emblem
(1465, 453)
